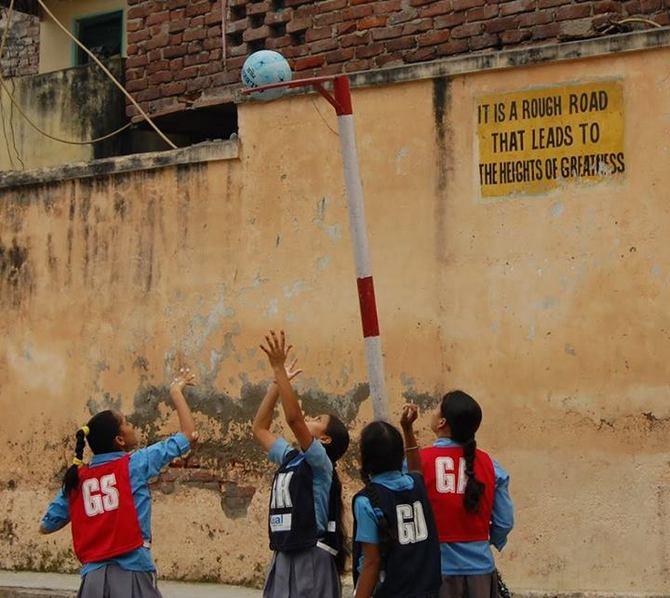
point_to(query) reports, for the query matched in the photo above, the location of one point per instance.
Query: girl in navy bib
(305, 514)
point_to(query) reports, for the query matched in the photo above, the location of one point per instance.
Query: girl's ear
(120, 443)
(325, 439)
(443, 425)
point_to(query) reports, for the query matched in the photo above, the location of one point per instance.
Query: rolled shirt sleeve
(502, 517)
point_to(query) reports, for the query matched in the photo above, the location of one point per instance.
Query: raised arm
(185, 378)
(263, 419)
(277, 352)
(409, 414)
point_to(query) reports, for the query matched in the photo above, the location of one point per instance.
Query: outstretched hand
(184, 378)
(277, 351)
(410, 413)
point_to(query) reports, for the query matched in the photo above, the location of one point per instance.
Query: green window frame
(86, 25)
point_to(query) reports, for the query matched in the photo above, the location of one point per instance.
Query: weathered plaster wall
(549, 309)
(77, 104)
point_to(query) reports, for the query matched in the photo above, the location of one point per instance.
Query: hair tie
(77, 462)
(86, 430)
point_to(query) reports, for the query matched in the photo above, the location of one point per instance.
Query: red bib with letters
(444, 474)
(102, 512)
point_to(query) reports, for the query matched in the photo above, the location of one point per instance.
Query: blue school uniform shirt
(145, 464)
(476, 558)
(322, 472)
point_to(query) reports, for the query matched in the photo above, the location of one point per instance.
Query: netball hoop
(340, 99)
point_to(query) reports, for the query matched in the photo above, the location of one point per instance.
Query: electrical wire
(16, 104)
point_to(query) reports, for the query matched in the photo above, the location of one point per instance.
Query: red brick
(485, 40)
(177, 26)
(326, 19)
(483, 13)
(272, 43)
(197, 8)
(187, 72)
(331, 69)
(175, 52)
(417, 27)
(211, 43)
(135, 25)
(649, 6)
(173, 89)
(324, 45)
(456, 46)
(161, 77)
(156, 18)
(158, 41)
(138, 12)
(501, 24)
(214, 32)
(515, 36)
(235, 26)
(332, 5)
(193, 59)
(258, 33)
(356, 12)
(191, 34)
(421, 55)
(308, 62)
(316, 34)
(546, 31)
(355, 39)
(138, 36)
(389, 60)
(606, 6)
(530, 19)
(158, 65)
(517, 6)
(197, 84)
(436, 8)
(137, 85)
(273, 18)
(371, 22)
(152, 93)
(402, 43)
(369, 51)
(135, 61)
(466, 4)
(213, 18)
(177, 4)
(457, 18)
(403, 16)
(632, 7)
(432, 38)
(341, 55)
(195, 47)
(467, 30)
(419, 2)
(132, 49)
(298, 25)
(176, 64)
(357, 65)
(575, 11)
(347, 27)
(387, 32)
(255, 8)
(386, 7)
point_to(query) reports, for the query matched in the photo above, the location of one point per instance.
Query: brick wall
(175, 46)
(22, 48)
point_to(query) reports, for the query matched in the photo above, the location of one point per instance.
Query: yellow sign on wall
(533, 141)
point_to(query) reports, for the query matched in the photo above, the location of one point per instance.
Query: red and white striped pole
(359, 238)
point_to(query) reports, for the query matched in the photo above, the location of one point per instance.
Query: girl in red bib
(108, 501)
(468, 492)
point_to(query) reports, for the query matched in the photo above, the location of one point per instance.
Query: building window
(102, 34)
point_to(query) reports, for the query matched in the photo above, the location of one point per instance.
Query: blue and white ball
(265, 67)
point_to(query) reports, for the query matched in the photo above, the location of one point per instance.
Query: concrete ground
(27, 584)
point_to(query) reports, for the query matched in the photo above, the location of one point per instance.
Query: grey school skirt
(309, 573)
(111, 581)
(470, 586)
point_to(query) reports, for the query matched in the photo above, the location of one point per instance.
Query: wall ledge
(209, 151)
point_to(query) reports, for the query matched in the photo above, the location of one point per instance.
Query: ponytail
(388, 534)
(473, 487)
(71, 478)
(340, 530)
